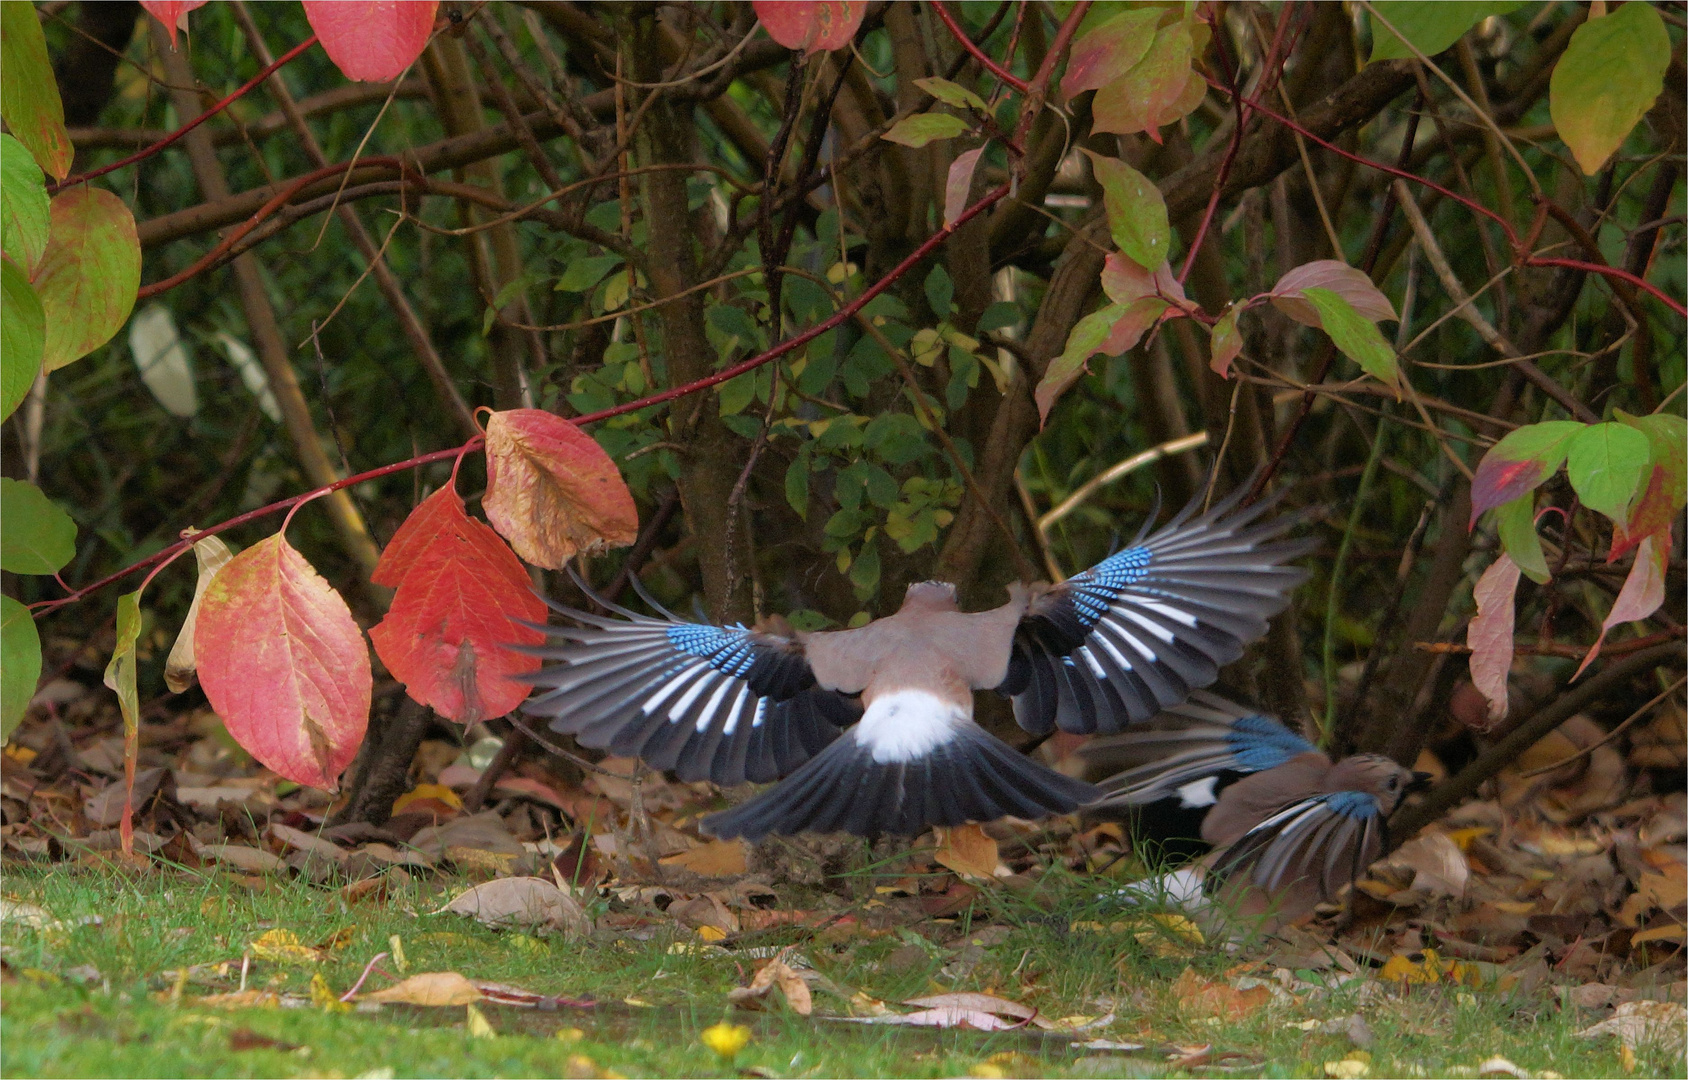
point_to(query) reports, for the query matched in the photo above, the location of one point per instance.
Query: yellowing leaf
(476, 1023)
(427, 791)
(551, 490)
(922, 128)
(284, 947)
(429, 988)
(719, 858)
(212, 555)
(1610, 74)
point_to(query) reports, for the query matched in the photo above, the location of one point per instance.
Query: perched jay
(1114, 645)
(1288, 828)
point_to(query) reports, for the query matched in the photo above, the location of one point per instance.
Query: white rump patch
(1198, 792)
(908, 724)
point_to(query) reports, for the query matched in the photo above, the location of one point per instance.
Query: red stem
(1520, 255)
(847, 311)
(53, 189)
(978, 54)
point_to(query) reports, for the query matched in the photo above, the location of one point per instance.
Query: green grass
(100, 994)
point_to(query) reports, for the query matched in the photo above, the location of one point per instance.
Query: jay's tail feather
(909, 765)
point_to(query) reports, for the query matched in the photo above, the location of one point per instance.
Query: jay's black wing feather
(1137, 632)
(720, 703)
(1317, 845)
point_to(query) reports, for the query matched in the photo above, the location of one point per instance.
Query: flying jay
(871, 729)
(1287, 827)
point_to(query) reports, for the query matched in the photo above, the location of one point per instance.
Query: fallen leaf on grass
(1201, 997)
(476, 1023)
(947, 1017)
(1643, 1023)
(284, 947)
(520, 901)
(1402, 968)
(989, 1003)
(429, 988)
(968, 851)
(300, 840)
(247, 1039)
(719, 858)
(252, 860)
(776, 972)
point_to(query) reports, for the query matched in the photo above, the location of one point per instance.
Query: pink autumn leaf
(283, 664)
(1351, 284)
(1643, 591)
(1490, 633)
(811, 25)
(1227, 343)
(461, 591)
(1109, 50)
(172, 13)
(959, 184)
(372, 40)
(551, 490)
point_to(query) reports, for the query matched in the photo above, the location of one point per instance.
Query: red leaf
(1490, 633)
(1138, 316)
(172, 13)
(1643, 591)
(1652, 512)
(551, 490)
(459, 588)
(1125, 282)
(811, 25)
(283, 663)
(1353, 285)
(372, 40)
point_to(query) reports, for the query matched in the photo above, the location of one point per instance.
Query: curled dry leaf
(1439, 867)
(430, 988)
(551, 490)
(776, 972)
(521, 901)
(719, 858)
(968, 851)
(212, 555)
(284, 664)
(1644, 1023)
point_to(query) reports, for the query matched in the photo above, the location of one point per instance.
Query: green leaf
(940, 291)
(1227, 343)
(29, 95)
(120, 673)
(797, 485)
(737, 393)
(20, 662)
(951, 93)
(1520, 462)
(864, 572)
(1606, 465)
(998, 316)
(1136, 212)
(1604, 84)
(88, 276)
(881, 486)
(23, 205)
(1084, 342)
(923, 128)
(36, 537)
(583, 274)
(1431, 26)
(1516, 522)
(1357, 337)
(23, 335)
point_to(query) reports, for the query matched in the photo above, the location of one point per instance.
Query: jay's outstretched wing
(720, 703)
(1207, 739)
(1138, 631)
(1307, 852)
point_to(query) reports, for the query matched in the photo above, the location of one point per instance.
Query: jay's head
(930, 596)
(1376, 775)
